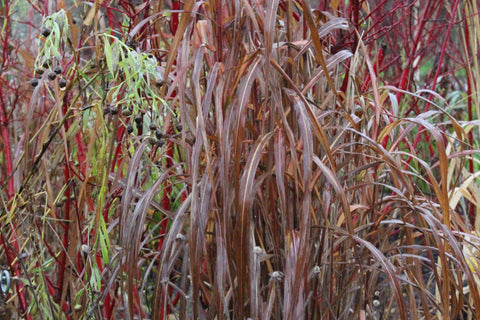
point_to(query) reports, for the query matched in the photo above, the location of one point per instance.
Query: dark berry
(159, 143)
(46, 32)
(46, 64)
(139, 126)
(62, 83)
(132, 44)
(158, 134)
(114, 110)
(52, 75)
(129, 129)
(126, 112)
(153, 126)
(34, 82)
(57, 70)
(39, 71)
(179, 127)
(138, 119)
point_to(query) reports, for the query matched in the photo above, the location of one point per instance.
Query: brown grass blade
(168, 257)
(127, 197)
(247, 192)
(270, 25)
(320, 132)
(133, 233)
(182, 26)
(317, 44)
(391, 273)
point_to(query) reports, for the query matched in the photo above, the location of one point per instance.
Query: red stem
(411, 57)
(66, 218)
(282, 5)
(3, 108)
(355, 14)
(10, 254)
(8, 161)
(437, 73)
(174, 17)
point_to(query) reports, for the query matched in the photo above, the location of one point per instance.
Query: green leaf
(108, 56)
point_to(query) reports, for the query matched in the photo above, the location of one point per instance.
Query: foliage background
(240, 159)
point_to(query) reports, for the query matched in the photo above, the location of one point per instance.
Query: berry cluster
(46, 65)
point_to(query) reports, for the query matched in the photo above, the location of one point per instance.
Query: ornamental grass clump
(240, 159)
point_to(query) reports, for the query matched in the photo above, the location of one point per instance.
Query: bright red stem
(174, 18)
(283, 6)
(8, 161)
(437, 73)
(411, 55)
